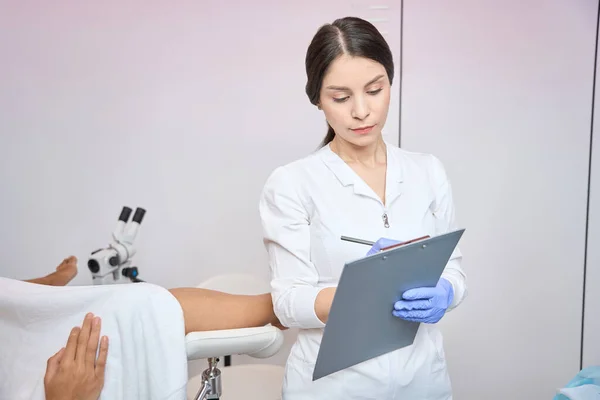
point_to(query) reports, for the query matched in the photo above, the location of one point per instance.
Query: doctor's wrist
(447, 285)
(323, 303)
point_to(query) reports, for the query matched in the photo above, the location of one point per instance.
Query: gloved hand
(425, 304)
(380, 244)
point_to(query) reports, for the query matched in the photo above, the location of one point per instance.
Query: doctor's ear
(319, 106)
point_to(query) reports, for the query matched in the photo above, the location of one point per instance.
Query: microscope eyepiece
(139, 215)
(125, 214)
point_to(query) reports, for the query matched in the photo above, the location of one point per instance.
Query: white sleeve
(286, 235)
(443, 211)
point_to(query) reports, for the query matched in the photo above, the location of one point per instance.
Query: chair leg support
(201, 395)
(211, 382)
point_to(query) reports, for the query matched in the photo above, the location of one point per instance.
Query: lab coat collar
(346, 175)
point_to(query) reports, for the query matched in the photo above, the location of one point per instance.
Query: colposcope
(112, 264)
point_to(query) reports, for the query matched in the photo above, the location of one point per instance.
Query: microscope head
(103, 262)
(107, 264)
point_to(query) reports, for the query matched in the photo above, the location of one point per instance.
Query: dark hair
(352, 36)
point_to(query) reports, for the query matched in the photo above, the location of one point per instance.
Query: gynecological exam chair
(113, 265)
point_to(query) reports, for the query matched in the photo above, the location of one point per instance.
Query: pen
(368, 243)
(359, 241)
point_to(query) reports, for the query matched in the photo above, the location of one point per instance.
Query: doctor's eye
(374, 92)
(340, 99)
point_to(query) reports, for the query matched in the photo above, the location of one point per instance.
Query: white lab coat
(305, 207)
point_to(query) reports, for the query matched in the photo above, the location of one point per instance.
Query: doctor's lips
(363, 130)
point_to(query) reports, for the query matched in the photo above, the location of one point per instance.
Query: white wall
(501, 92)
(183, 110)
(591, 342)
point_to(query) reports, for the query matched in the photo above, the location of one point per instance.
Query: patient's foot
(65, 272)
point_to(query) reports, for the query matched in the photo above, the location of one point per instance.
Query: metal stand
(211, 382)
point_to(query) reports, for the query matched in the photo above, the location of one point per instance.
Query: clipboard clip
(405, 243)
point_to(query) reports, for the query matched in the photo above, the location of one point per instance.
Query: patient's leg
(207, 310)
(203, 309)
(64, 273)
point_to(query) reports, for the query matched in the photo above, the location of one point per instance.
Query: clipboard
(360, 324)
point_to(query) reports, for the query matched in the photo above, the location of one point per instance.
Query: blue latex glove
(426, 304)
(380, 244)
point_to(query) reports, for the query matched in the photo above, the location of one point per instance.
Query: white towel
(144, 323)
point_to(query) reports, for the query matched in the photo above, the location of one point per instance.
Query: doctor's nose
(360, 110)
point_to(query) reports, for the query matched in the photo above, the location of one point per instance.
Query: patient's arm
(207, 310)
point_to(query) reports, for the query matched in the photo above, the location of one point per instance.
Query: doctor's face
(355, 97)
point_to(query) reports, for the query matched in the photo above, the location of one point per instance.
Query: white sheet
(144, 323)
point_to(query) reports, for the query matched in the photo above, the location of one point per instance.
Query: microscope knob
(114, 261)
(130, 272)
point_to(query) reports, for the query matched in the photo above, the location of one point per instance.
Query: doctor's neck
(371, 155)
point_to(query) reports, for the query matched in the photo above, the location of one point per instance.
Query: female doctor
(357, 185)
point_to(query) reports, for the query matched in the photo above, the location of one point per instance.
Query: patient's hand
(74, 373)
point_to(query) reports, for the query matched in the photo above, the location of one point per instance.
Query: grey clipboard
(361, 325)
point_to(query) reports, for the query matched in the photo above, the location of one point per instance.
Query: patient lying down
(144, 323)
(203, 309)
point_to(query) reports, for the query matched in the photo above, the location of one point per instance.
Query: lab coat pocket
(439, 355)
(298, 373)
(298, 383)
